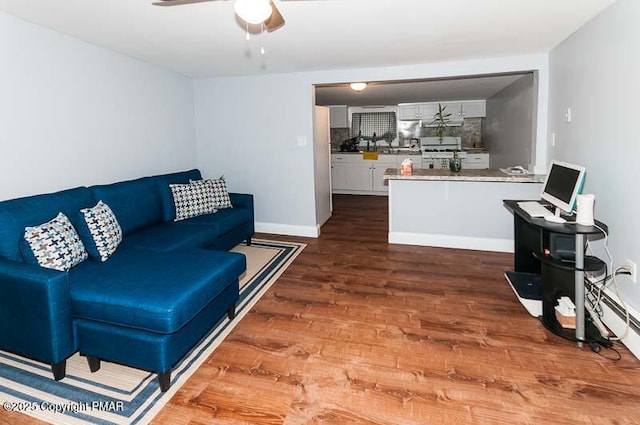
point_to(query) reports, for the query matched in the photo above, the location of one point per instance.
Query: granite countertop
(487, 175)
(395, 153)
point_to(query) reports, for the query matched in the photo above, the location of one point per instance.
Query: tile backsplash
(338, 135)
(470, 134)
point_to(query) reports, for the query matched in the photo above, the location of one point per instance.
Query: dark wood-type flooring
(360, 331)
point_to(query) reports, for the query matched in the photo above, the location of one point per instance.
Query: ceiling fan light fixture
(358, 86)
(253, 11)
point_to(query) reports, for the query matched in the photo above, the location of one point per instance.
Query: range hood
(427, 122)
(452, 123)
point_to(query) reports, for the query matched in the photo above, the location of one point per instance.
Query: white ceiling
(206, 39)
(394, 92)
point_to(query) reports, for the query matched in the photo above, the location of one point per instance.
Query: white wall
(509, 125)
(75, 114)
(258, 132)
(596, 72)
(247, 129)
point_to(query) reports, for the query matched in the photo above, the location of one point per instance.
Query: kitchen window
(383, 124)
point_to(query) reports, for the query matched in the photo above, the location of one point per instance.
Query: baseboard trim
(287, 229)
(451, 241)
(360, 192)
(615, 319)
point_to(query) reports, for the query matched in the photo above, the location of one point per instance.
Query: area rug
(118, 394)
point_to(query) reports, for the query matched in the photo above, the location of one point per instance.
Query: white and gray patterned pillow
(56, 244)
(191, 200)
(104, 228)
(221, 197)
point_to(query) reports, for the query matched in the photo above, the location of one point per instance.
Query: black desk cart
(549, 262)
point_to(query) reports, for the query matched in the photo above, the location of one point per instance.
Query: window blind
(381, 123)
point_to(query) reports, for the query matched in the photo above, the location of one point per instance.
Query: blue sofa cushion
(136, 203)
(154, 291)
(170, 236)
(16, 214)
(163, 181)
(224, 221)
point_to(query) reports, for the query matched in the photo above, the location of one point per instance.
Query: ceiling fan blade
(178, 2)
(274, 21)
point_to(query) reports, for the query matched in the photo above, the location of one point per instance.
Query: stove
(436, 153)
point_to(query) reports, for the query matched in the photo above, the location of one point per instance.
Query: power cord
(622, 270)
(596, 304)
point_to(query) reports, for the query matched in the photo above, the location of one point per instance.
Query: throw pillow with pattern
(105, 233)
(219, 191)
(55, 244)
(191, 200)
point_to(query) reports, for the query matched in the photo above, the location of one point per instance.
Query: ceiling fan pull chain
(248, 37)
(262, 51)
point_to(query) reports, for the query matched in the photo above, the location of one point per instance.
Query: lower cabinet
(476, 161)
(359, 177)
(350, 174)
(339, 176)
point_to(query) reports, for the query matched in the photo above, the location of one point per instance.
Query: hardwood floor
(360, 331)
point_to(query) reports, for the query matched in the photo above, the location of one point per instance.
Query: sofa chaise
(167, 283)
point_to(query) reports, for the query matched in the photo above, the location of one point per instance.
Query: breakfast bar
(437, 207)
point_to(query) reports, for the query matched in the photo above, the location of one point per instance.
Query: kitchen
(491, 126)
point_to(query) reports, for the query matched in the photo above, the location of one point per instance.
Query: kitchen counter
(381, 152)
(487, 175)
(436, 207)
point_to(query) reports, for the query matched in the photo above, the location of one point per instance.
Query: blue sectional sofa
(166, 285)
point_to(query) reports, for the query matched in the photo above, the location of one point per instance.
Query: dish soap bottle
(454, 163)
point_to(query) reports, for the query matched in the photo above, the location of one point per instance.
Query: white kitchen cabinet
(458, 110)
(453, 108)
(409, 111)
(338, 117)
(474, 109)
(351, 174)
(339, 176)
(378, 177)
(417, 111)
(476, 161)
(359, 177)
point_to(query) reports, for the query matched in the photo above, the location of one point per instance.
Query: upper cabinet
(473, 109)
(427, 111)
(338, 117)
(417, 111)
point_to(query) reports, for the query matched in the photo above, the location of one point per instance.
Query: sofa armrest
(241, 200)
(245, 200)
(35, 312)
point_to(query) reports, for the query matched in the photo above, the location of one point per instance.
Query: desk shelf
(591, 263)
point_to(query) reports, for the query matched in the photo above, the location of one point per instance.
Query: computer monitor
(563, 183)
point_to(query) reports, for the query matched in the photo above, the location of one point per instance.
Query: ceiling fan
(272, 22)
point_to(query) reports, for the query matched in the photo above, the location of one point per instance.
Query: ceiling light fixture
(253, 11)
(358, 86)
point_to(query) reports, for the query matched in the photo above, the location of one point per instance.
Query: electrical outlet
(633, 268)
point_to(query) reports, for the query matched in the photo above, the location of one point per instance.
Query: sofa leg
(164, 379)
(59, 370)
(94, 363)
(231, 313)
(248, 240)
